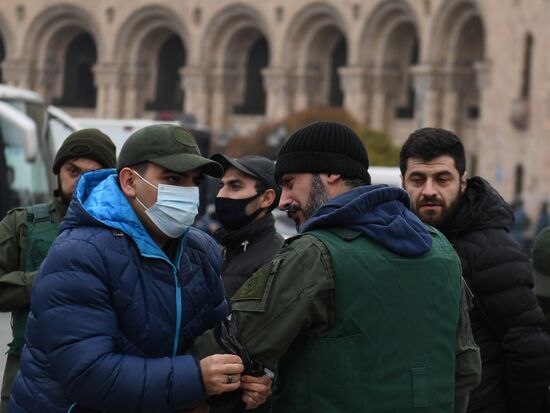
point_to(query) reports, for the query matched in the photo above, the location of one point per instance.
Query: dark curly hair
(431, 143)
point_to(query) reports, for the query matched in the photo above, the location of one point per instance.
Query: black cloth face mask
(231, 212)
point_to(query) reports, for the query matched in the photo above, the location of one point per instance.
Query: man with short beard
(26, 235)
(506, 319)
(365, 309)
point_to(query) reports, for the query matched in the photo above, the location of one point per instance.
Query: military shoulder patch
(255, 287)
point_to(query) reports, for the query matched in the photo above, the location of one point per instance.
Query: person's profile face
(302, 194)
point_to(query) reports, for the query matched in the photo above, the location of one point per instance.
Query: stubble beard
(317, 197)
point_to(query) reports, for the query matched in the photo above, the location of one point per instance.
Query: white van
(27, 127)
(118, 129)
(390, 175)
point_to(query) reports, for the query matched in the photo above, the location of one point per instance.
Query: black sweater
(246, 249)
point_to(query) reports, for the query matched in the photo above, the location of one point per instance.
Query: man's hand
(256, 390)
(221, 373)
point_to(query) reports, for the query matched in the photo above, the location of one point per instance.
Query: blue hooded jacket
(112, 315)
(380, 212)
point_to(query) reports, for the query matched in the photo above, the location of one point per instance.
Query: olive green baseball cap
(169, 146)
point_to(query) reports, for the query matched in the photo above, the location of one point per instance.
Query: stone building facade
(477, 67)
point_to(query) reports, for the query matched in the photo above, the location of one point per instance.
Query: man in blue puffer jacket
(125, 289)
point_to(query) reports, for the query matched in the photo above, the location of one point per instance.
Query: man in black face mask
(244, 203)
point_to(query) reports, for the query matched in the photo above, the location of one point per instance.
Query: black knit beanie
(86, 143)
(324, 147)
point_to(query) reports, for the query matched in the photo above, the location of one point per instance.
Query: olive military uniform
(288, 311)
(19, 261)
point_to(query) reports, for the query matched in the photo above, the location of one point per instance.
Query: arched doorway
(151, 49)
(254, 96)
(389, 50)
(338, 59)
(236, 52)
(406, 96)
(78, 86)
(458, 54)
(169, 94)
(317, 49)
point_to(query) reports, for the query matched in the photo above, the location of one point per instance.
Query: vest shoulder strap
(39, 213)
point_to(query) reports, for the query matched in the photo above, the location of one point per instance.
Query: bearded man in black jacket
(506, 319)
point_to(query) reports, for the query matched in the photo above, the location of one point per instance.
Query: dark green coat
(386, 282)
(293, 298)
(16, 279)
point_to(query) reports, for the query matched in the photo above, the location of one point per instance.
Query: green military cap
(86, 143)
(541, 263)
(169, 146)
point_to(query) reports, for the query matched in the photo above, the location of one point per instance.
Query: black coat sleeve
(500, 276)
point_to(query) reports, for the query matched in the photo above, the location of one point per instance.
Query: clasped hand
(221, 373)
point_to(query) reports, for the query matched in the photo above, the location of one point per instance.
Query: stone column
(107, 78)
(224, 83)
(277, 83)
(46, 77)
(427, 87)
(307, 88)
(196, 85)
(135, 84)
(18, 72)
(382, 86)
(354, 81)
(457, 83)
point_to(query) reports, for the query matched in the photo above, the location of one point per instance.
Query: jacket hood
(481, 207)
(99, 201)
(380, 212)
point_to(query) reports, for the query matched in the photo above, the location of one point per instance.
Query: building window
(254, 92)
(169, 95)
(407, 111)
(78, 86)
(338, 59)
(527, 63)
(518, 180)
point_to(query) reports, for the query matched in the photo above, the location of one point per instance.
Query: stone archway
(254, 96)
(78, 81)
(457, 59)
(390, 48)
(237, 51)
(168, 93)
(149, 54)
(317, 51)
(55, 34)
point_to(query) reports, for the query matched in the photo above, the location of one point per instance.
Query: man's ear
(464, 181)
(331, 178)
(268, 197)
(127, 181)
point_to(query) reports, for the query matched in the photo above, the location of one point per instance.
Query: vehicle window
(27, 181)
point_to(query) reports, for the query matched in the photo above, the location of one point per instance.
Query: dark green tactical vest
(41, 232)
(392, 344)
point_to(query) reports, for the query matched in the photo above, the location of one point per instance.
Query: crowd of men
(388, 299)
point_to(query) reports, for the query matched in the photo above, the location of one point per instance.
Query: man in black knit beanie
(365, 309)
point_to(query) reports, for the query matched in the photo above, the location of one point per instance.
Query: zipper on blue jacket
(178, 292)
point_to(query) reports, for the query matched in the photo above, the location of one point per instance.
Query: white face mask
(175, 209)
